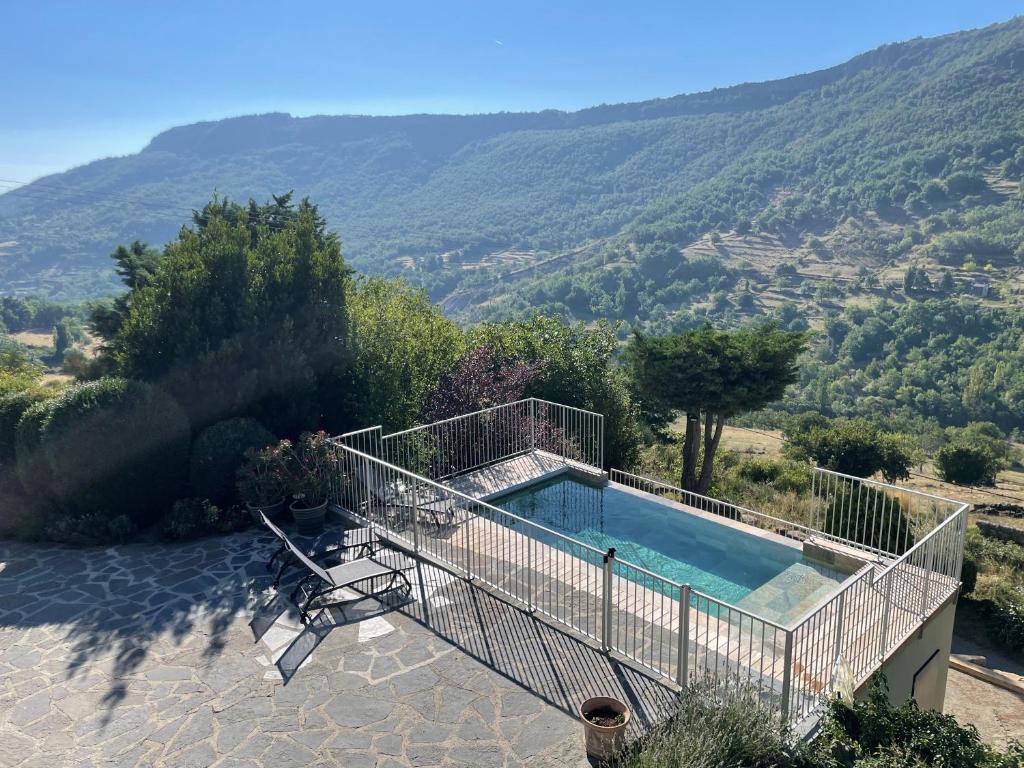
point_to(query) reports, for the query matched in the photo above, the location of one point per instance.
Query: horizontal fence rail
(393, 483)
(475, 440)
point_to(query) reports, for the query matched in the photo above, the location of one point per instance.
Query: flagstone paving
(159, 655)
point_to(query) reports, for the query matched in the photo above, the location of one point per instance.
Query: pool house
(517, 499)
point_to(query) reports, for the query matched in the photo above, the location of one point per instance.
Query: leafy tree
(575, 366)
(479, 380)
(62, 339)
(402, 346)
(984, 435)
(243, 314)
(967, 464)
(947, 284)
(711, 375)
(854, 447)
(135, 266)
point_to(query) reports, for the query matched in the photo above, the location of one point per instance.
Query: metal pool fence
(669, 628)
(482, 438)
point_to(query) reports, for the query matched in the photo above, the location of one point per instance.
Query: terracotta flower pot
(310, 520)
(272, 511)
(604, 726)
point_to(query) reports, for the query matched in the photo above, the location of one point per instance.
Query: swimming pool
(758, 573)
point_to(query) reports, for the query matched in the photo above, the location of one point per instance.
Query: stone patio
(178, 655)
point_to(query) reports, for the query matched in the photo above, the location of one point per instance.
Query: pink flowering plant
(263, 479)
(309, 464)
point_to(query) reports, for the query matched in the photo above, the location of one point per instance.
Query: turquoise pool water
(754, 572)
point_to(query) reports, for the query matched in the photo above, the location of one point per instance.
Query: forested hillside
(912, 153)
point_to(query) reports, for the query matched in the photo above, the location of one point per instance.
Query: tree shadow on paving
(561, 669)
(108, 609)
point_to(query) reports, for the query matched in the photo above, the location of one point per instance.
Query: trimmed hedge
(12, 407)
(33, 470)
(113, 446)
(217, 454)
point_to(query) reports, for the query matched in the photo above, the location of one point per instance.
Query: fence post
(415, 519)
(683, 658)
(883, 640)
(606, 601)
(839, 625)
(530, 605)
(533, 424)
(787, 674)
(930, 563)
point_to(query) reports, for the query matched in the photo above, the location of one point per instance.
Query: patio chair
(348, 539)
(321, 581)
(396, 503)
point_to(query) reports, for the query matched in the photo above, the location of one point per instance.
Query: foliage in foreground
(242, 315)
(192, 518)
(718, 727)
(872, 732)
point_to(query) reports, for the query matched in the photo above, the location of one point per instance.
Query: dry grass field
(37, 338)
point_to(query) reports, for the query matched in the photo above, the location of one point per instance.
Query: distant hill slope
(927, 128)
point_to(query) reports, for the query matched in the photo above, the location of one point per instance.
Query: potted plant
(261, 482)
(604, 726)
(310, 466)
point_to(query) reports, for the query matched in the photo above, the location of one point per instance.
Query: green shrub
(12, 407)
(967, 464)
(87, 528)
(869, 516)
(759, 470)
(1003, 607)
(794, 476)
(716, 725)
(192, 518)
(968, 574)
(998, 551)
(218, 453)
(874, 733)
(113, 445)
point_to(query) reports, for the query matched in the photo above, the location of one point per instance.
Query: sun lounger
(321, 581)
(362, 539)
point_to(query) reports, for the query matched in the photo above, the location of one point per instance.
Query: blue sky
(84, 80)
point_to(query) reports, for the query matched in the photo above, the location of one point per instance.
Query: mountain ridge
(420, 194)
